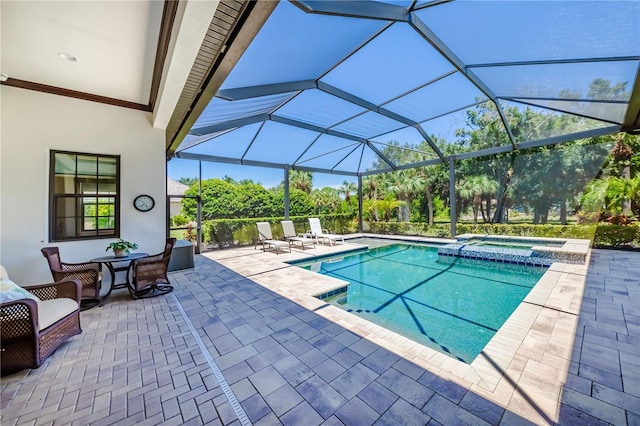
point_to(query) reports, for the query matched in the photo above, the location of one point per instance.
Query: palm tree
(621, 154)
(476, 188)
(387, 206)
(370, 186)
(404, 184)
(370, 210)
(428, 176)
(622, 192)
(301, 180)
(611, 194)
(326, 200)
(347, 189)
(594, 198)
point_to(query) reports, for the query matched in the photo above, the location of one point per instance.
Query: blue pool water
(452, 305)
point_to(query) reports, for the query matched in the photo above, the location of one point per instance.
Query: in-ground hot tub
(524, 250)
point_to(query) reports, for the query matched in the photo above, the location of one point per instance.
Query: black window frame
(80, 198)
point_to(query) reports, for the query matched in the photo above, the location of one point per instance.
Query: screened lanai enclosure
(368, 87)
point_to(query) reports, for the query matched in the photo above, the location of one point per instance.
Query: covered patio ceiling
(366, 87)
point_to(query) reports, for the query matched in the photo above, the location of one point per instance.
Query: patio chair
(318, 233)
(265, 237)
(147, 276)
(35, 321)
(88, 273)
(289, 234)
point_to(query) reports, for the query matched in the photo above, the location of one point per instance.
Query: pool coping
(548, 314)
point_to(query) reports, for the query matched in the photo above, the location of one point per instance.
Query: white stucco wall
(34, 123)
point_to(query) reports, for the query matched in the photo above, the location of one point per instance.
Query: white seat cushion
(50, 311)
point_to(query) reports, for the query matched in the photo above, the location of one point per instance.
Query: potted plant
(121, 247)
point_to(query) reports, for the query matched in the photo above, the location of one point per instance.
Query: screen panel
(507, 31)
(232, 144)
(440, 97)
(529, 123)
(327, 151)
(291, 36)
(584, 80)
(319, 108)
(220, 110)
(396, 61)
(280, 143)
(368, 125)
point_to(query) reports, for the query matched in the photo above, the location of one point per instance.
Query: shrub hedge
(602, 235)
(224, 233)
(236, 232)
(616, 236)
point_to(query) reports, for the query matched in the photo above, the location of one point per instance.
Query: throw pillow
(11, 291)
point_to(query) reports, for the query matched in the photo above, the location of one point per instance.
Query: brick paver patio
(240, 341)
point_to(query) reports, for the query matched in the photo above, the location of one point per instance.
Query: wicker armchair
(147, 277)
(88, 273)
(23, 343)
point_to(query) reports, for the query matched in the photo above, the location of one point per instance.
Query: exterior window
(84, 192)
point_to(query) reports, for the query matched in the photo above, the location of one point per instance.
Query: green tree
(553, 176)
(484, 130)
(602, 89)
(219, 200)
(189, 181)
(255, 201)
(300, 203)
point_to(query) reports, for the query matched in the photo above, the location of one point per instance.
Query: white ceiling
(115, 43)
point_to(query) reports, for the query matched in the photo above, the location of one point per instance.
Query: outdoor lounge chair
(318, 233)
(289, 233)
(35, 321)
(88, 273)
(149, 274)
(265, 237)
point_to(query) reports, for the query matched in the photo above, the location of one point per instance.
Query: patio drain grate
(242, 416)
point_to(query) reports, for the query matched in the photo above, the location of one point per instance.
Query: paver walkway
(222, 349)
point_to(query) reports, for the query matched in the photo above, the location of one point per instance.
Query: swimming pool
(452, 305)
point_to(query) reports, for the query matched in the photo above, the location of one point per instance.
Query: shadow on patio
(603, 381)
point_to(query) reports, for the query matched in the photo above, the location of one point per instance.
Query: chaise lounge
(318, 233)
(289, 234)
(265, 237)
